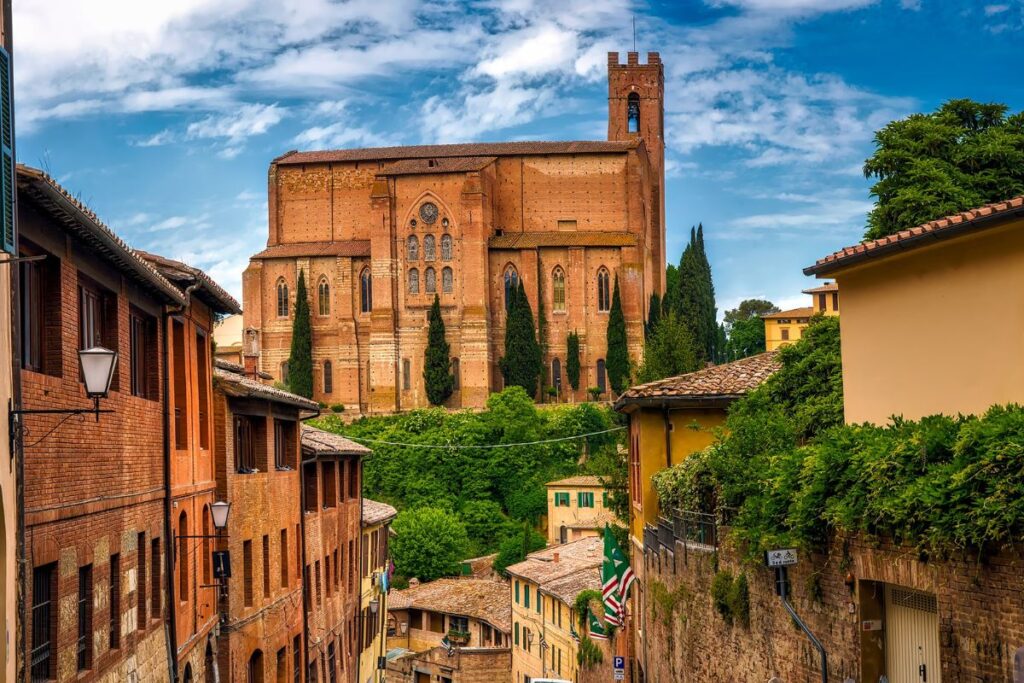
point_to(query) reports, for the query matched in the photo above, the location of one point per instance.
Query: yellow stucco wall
(773, 332)
(368, 671)
(553, 622)
(939, 329)
(573, 513)
(692, 430)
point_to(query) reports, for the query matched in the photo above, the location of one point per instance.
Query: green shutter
(604, 499)
(526, 596)
(517, 633)
(7, 181)
(517, 591)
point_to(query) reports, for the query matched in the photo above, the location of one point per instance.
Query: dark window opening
(284, 558)
(604, 300)
(83, 645)
(456, 375)
(365, 291)
(323, 296)
(203, 395)
(250, 444)
(601, 379)
(284, 444)
(310, 488)
(266, 566)
(282, 299)
(180, 379)
(247, 573)
(115, 601)
(40, 312)
(556, 374)
(97, 319)
(182, 559)
(255, 668)
(328, 377)
(511, 283)
(406, 374)
(156, 599)
(330, 485)
(143, 355)
(633, 112)
(44, 623)
(140, 593)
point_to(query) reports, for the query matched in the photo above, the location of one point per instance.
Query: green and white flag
(597, 629)
(616, 578)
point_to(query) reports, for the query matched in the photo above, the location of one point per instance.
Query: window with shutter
(7, 189)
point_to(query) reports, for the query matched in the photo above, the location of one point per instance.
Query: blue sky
(163, 117)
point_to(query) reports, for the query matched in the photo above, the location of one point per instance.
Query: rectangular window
(351, 561)
(516, 632)
(517, 591)
(266, 566)
(562, 499)
(179, 378)
(460, 624)
(115, 601)
(835, 301)
(406, 374)
(526, 596)
(284, 444)
(364, 546)
(203, 395)
(337, 570)
(316, 577)
(142, 355)
(156, 598)
(436, 622)
(540, 604)
(353, 480)
(327, 574)
(330, 485)
(284, 558)
(97, 319)
(310, 488)
(307, 589)
(282, 666)
(39, 309)
(247, 572)
(785, 334)
(604, 499)
(297, 656)
(140, 593)
(821, 301)
(44, 623)
(332, 664)
(585, 499)
(250, 444)
(84, 642)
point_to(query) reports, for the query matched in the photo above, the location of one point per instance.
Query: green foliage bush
(515, 548)
(338, 407)
(721, 587)
(589, 654)
(429, 543)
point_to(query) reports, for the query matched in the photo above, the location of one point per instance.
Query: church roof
(351, 248)
(574, 238)
(444, 165)
(468, 149)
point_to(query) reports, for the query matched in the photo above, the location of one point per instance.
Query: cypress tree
(300, 360)
(520, 366)
(688, 307)
(653, 315)
(437, 374)
(617, 361)
(572, 362)
(708, 312)
(670, 300)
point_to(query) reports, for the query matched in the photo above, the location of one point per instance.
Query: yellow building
(932, 316)
(577, 507)
(544, 589)
(227, 339)
(376, 526)
(786, 327)
(472, 613)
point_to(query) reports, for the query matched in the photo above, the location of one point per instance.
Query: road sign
(782, 557)
(620, 675)
(619, 663)
(221, 564)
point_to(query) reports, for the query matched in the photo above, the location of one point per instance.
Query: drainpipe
(668, 435)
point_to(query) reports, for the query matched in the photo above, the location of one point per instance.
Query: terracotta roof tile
(579, 480)
(470, 149)
(352, 248)
(719, 383)
(478, 598)
(532, 240)
(827, 287)
(568, 587)
(542, 568)
(184, 275)
(375, 512)
(597, 521)
(946, 227)
(443, 165)
(319, 442)
(234, 384)
(804, 312)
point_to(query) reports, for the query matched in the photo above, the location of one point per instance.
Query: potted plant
(458, 637)
(595, 393)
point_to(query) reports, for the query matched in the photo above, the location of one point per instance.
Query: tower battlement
(633, 59)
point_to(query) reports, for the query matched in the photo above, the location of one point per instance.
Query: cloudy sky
(163, 116)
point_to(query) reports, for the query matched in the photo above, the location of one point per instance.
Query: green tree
(746, 328)
(300, 359)
(487, 526)
(515, 548)
(429, 543)
(708, 310)
(653, 315)
(617, 361)
(962, 155)
(669, 352)
(521, 364)
(691, 306)
(437, 373)
(572, 362)
(671, 300)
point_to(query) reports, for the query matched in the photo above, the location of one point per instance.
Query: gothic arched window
(447, 280)
(282, 298)
(429, 281)
(558, 289)
(414, 281)
(456, 376)
(365, 291)
(511, 283)
(604, 300)
(556, 374)
(602, 382)
(429, 248)
(446, 247)
(328, 377)
(633, 112)
(323, 295)
(412, 248)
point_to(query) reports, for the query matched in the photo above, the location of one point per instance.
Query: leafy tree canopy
(745, 328)
(429, 543)
(515, 548)
(670, 351)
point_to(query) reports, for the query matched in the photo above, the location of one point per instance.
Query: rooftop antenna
(634, 33)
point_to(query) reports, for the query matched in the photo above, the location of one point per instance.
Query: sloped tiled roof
(375, 512)
(470, 149)
(827, 287)
(443, 165)
(719, 383)
(351, 248)
(596, 521)
(574, 238)
(543, 569)
(184, 275)
(568, 587)
(989, 215)
(578, 480)
(482, 599)
(319, 442)
(803, 312)
(240, 386)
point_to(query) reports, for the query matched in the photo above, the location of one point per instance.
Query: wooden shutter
(7, 182)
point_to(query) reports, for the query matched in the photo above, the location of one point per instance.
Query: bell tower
(636, 109)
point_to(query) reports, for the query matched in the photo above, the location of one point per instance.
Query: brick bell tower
(636, 109)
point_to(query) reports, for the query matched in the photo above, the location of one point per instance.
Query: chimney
(554, 558)
(413, 582)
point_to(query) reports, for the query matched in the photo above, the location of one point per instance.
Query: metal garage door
(911, 636)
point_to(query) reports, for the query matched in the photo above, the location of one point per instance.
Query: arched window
(284, 372)
(183, 555)
(323, 295)
(188, 674)
(604, 301)
(447, 280)
(602, 382)
(282, 298)
(456, 376)
(328, 377)
(558, 289)
(412, 248)
(207, 556)
(556, 374)
(633, 112)
(365, 291)
(255, 668)
(414, 281)
(446, 247)
(429, 248)
(430, 281)
(511, 283)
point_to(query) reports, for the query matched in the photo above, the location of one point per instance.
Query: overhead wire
(458, 447)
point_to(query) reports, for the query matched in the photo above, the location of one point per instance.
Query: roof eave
(630, 404)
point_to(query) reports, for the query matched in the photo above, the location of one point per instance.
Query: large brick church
(379, 231)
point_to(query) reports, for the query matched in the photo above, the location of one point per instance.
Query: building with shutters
(786, 327)
(373, 599)
(577, 507)
(380, 232)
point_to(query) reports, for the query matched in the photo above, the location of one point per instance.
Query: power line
(459, 447)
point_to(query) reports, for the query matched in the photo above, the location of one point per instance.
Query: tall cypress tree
(653, 315)
(572, 361)
(437, 373)
(617, 361)
(520, 366)
(670, 300)
(300, 360)
(708, 310)
(688, 307)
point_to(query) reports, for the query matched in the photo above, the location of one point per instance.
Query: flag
(447, 645)
(616, 563)
(597, 630)
(610, 595)
(573, 634)
(543, 641)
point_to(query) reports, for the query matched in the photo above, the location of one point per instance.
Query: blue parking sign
(620, 663)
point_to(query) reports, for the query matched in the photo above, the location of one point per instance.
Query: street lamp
(219, 511)
(374, 606)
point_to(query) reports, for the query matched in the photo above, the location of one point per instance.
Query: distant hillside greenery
(491, 491)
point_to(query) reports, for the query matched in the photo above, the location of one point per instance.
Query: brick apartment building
(378, 232)
(192, 485)
(94, 490)
(332, 511)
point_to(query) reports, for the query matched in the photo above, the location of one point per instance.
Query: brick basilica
(379, 231)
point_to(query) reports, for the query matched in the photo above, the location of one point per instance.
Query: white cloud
(794, 6)
(995, 9)
(246, 121)
(341, 134)
(820, 213)
(532, 51)
(468, 117)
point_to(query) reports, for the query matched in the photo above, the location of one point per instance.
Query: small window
(328, 377)
(429, 248)
(414, 281)
(284, 372)
(114, 601)
(835, 301)
(511, 284)
(406, 374)
(310, 487)
(182, 559)
(558, 290)
(39, 308)
(155, 587)
(785, 334)
(329, 478)
(456, 375)
(365, 291)
(284, 558)
(140, 604)
(604, 300)
(203, 395)
(447, 280)
(142, 355)
(323, 296)
(412, 248)
(633, 112)
(250, 449)
(44, 622)
(430, 281)
(526, 596)
(556, 374)
(585, 499)
(561, 499)
(282, 298)
(602, 383)
(266, 566)
(84, 642)
(247, 572)
(446, 247)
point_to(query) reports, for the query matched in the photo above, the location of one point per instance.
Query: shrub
(338, 407)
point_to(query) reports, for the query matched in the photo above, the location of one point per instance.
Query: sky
(164, 116)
